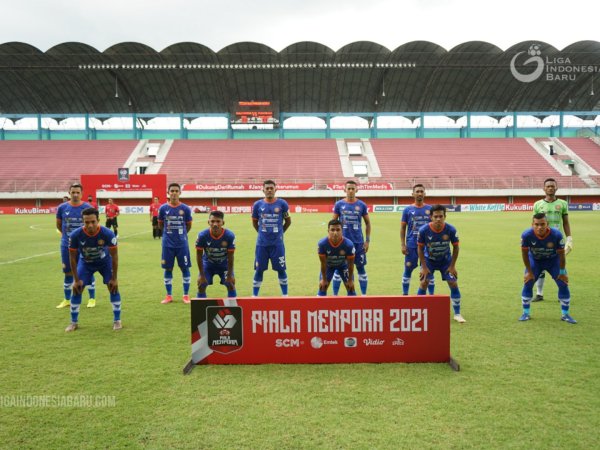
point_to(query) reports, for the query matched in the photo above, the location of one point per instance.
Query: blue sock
(321, 293)
(258, 278)
(75, 303)
(455, 297)
(431, 287)
(363, 280)
(406, 280)
(283, 282)
(68, 286)
(115, 301)
(421, 291)
(336, 282)
(169, 281)
(92, 288)
(564, 296)
(185, 273)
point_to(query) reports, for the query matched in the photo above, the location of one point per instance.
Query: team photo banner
(294, 330)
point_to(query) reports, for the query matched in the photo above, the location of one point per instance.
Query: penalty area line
(39, 255)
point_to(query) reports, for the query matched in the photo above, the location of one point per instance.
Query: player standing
(351, 212)
(214, 254)
(557, 214)
(336, 254)
(91, 202)
(543, 249)
(68, 219)
(93, 248)
(414, 217)
(175, 222)
(154, 207)
(112, 211)
(271, 219)
(434, 241)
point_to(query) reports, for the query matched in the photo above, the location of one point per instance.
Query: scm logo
(288, 343)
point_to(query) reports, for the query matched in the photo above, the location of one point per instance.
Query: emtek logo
(535, 57)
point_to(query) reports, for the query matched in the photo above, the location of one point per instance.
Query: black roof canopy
(305, 77)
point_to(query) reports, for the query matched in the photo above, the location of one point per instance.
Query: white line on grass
(51, 253)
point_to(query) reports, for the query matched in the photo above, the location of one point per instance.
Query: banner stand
(320, 330)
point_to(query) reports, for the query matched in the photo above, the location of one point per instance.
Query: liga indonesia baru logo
(535, 57)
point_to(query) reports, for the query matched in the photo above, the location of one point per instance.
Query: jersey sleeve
(404, 216)
(420, 236)
(188, 214)
(111, 239)
(565, 208)
(350, 250)
(59, 211)
(161, 214)
(73, 240)
(454, 236)
(336, 209)
(231, 241)
(321, 247)
(364, 209)
(255, 211)
(200, 241)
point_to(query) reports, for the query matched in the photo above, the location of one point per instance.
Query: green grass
(521, 385)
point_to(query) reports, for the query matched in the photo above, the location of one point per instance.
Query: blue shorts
(182, 254)
(360, 257)
(66, 261)
(273, 253)
(552, 266)
(342, 271)
(412, 259)
(210, 270)
(442, 266)
(85, 271)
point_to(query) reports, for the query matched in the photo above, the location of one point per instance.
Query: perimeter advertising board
(321, 330)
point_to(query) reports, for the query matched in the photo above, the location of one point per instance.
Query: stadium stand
(30, 166)
(465, 163)
(586, 149)
(252, 160)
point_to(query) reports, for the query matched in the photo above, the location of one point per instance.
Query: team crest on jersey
(557, 207)
(427, 212)
(100, 242)
(162, 261)
(445, 237)
(550, 245)
(224, 244)
(357, 208)
(342, 252)
(181, 213)
(277, 210)
(408, 264)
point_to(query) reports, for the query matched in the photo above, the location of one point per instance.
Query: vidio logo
(535, 57)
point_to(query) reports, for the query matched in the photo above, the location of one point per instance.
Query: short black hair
(418, 185)
(539, 216)
(351, 182)
(334, 222)
(438, 207)
(550, 179)
(76, 185)
(218, 214)
(269, 182)
(173, 184)
(90, 211)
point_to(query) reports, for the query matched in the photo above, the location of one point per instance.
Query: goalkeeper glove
(568, 245)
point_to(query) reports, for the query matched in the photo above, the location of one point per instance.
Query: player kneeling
(214, 254)
(93, 248)
(336, 254)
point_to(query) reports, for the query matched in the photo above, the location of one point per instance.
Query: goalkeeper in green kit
(557, 213)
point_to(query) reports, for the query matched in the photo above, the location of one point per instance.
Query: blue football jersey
(543, 248)
(175, 220)
(270, 216)
(216, 248)
(351, 214)
(415, 217)
(93, 249)
(336, 254)
(71, 219)
(437, 244)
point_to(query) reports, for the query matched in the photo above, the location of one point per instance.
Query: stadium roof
(305, 77)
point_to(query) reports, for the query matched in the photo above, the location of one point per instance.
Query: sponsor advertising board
(321, 330)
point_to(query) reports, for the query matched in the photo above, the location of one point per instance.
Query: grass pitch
(522, 385)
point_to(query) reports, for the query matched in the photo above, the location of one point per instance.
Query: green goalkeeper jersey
(554, 211)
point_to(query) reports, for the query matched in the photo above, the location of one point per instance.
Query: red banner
(244, 187)
(321, 330)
